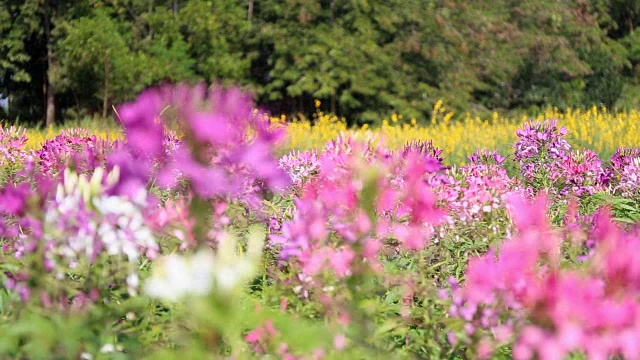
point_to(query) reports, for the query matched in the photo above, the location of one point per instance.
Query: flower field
(596, 129)
(206, 229)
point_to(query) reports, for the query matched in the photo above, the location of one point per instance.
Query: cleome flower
(540, 148)
(623, 175)
(83, 221)
(224, 151)
(300, 166)
(13, 154)
(75, 148)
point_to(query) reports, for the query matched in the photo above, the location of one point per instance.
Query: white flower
(83, 219)
(107, 348)
(127, 232)
(228, 277)
(133, 280)
(178, 276)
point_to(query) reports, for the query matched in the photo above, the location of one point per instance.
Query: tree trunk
(332, 8)
(50, 105)
(250, 10)
(105, 98)
(78, 108)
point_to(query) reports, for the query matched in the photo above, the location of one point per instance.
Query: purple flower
(580, 173)
(539, 149)
(13, 156)
(74, 148)
(13, 199)
(225, 150)
(143, 129)
(425, 148)
(623, 174)
(486, 157)
(301, 166)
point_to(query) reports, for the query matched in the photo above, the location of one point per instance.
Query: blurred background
(363, 59)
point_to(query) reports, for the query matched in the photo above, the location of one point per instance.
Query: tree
(216, 32)
(28, 41)
(96, 56)
(363, 58)
(115, 59)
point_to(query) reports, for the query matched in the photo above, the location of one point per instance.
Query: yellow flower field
(35, 138)
(597, 129)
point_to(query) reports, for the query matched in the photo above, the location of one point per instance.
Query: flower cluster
(486, 157)
(84, 221)
(361, 197)
(16, 218)
(425, 148)
(547, 162)
(301, 166)
(74, 148)
(473, 191)
(624, 172)
(580, 173)
(354, 255)
(13, 155)
(540, 148)
(226, 150)
(524, 293)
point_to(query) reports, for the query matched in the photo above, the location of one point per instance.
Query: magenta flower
(74, 148)
(13, 155)
(301, 166)
(225, 150)
(13, 199)
(486, 157)
(580, 173)
(144, 130)
(551, 311)
(338, 224)
(540, 147)
(426, 149)
(623, 174)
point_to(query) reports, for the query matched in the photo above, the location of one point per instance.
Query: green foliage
(624, 210)
(215, 32)
(363, 59)
(96, 59)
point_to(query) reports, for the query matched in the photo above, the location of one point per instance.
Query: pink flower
(217, 156)
(339, 342)
(341, 261)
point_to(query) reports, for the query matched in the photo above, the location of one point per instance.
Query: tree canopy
(364, 59)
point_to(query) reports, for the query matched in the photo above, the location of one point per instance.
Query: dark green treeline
(363, 58)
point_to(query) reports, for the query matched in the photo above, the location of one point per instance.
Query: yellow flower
(596, 129)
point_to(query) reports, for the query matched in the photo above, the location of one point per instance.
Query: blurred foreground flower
(177, 276)
(225, 149)
(521, 293)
